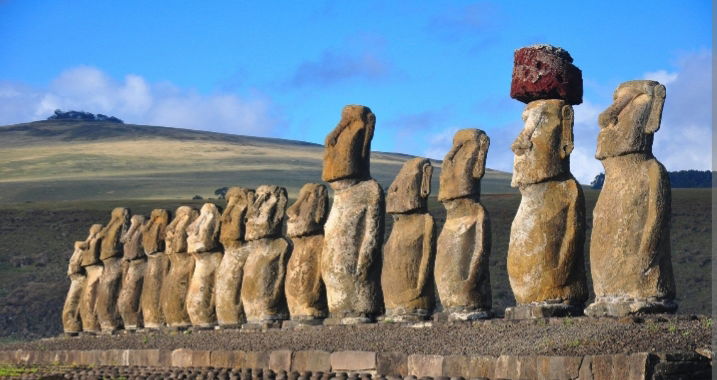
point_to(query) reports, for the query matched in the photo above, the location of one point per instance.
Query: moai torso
(111, 278)
(134, 266)
(203, 244)
(92, 266)
(305, 291)
(409, 252)
(153, 234)
(71, 311)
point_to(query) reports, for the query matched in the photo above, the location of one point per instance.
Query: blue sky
(285, 69)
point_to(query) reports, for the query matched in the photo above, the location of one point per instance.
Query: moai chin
(353, 234)
(134, 264)
(203, 244)
(462, 269)
(111, 280)
(181, 268)
(304, 288)
(71, 315)
(227, 291)
(409, 252)
(262, 289)
(92, 267)
(153, 234)
(630, 246)
(546, 265)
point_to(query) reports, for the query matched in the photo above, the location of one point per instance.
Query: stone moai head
(464, 165)
(113, 231)
(234, 217)
(91, 246)
(542, 149)
(266, 213)
(133, 243)
(409, 191)
(203, 233)
(154, 230)
(176, 233)
(348, 147)
(545, 72)
(308, 214)
(629, 124)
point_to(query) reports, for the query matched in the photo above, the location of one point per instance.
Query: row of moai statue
(210, 268)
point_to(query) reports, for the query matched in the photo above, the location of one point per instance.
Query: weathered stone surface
(305, 291)
(71, 321)
(464, 165)
(311, 361)
(425, 365)
(203, 244)
(111, 246)
(111, 250)
(350, 261)
(181, 267)
(545, 253)
(134, 265)
(266, 213)
(91, 249)
(542, 310)
(410, 189)
(392, 363)
(545, 72)
(256, 359)
(131, 240)
(233, 219)
(88, 301)
(154, 231)
(347, 150)
(630, 246)
(469, 366)
(353, 361)
(157, 268)
(280, 360)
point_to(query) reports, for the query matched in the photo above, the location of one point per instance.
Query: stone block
(148, 358)
(526, 367)
(201, 358)
(226, 359)
(74, 357)
(602, 367)
(468, 366)
(312, 361)
(353, 361)
(392, 364)
(425, 365)
(641, 366)
(90, 357)
(256, 359)
(558, 367)
(182, 357)
(545, 72)
(280, 360)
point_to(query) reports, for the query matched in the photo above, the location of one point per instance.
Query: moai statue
(630, 246)
(546, 264)
(71, 321)
(134, 264)
(227, 290)
(92, 266)
(181, 268)
(409, 253)
(305, 291)
(353, 234)
(262, 288)
(153, 234)
(462, 270)
(111, 251)
(203, 244)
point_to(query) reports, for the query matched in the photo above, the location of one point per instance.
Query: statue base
(262, 325)
(621, 307)
(462, 315)
(72, 333)
(336, 321)
(404, 316)
(301, 323)
(543, 310)
(228, 326)
(203, 327)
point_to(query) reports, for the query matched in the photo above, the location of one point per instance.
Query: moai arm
(281, 275)
(658, 207)
(429, 241)
(368, 241)
(569, 244)
(481, 250)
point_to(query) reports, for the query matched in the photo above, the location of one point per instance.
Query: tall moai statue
(305, 291)
(630, 246)
(462, 269)
(181, 268)
(92, 266)
(134, 264)
(262, 288)
(153, 234)
(351, 257)
(227, 290)
(409, 252)
(71, 320)
(546, 264)
(111, 251)
(203, 244)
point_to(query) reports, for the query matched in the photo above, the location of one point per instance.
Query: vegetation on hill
(81, 115)
(680, 179)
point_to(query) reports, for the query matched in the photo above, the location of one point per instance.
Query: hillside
(57, 160)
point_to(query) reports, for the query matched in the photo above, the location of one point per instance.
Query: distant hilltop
(81, 115)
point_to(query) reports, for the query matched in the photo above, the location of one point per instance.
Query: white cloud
(134, 100)
(661, 76)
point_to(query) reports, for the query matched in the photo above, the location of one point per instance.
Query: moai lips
(92, 266)
(111, 279)
(153, 234)
(407, 271)
(135, 265)
(347, 150)
(630, 245)
(545, 72)
(203, 244)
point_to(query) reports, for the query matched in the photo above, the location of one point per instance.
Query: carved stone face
(234, 216)
(347, 150)
(176, 234)
(266, 214)
(202, 234)
(411, 188)
(464, 165)
(91, 246)
(308, 214)
(113, 231)
(628, 124)
(542, 149)
(153, 232)
(132, 239)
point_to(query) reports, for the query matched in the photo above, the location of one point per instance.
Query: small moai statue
(92, 266)
(203, 244)
(111, 252)
(71, 321)
(409, 252)
(181, 267)
(153, 234)
(262, 288)
(462, 269)
(353, 233)
(134, 264)
(630, 245)
(227, 290)
(305, 291)
(546, 264)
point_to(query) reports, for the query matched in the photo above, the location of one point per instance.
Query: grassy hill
(64, 160)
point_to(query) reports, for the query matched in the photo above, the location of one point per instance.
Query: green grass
(14, 371)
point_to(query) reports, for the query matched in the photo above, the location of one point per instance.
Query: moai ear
(426, 180)
(321, 205)
(566, 140)
(370, 124)
(479, 166)
(280, 208)
(658, 102)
